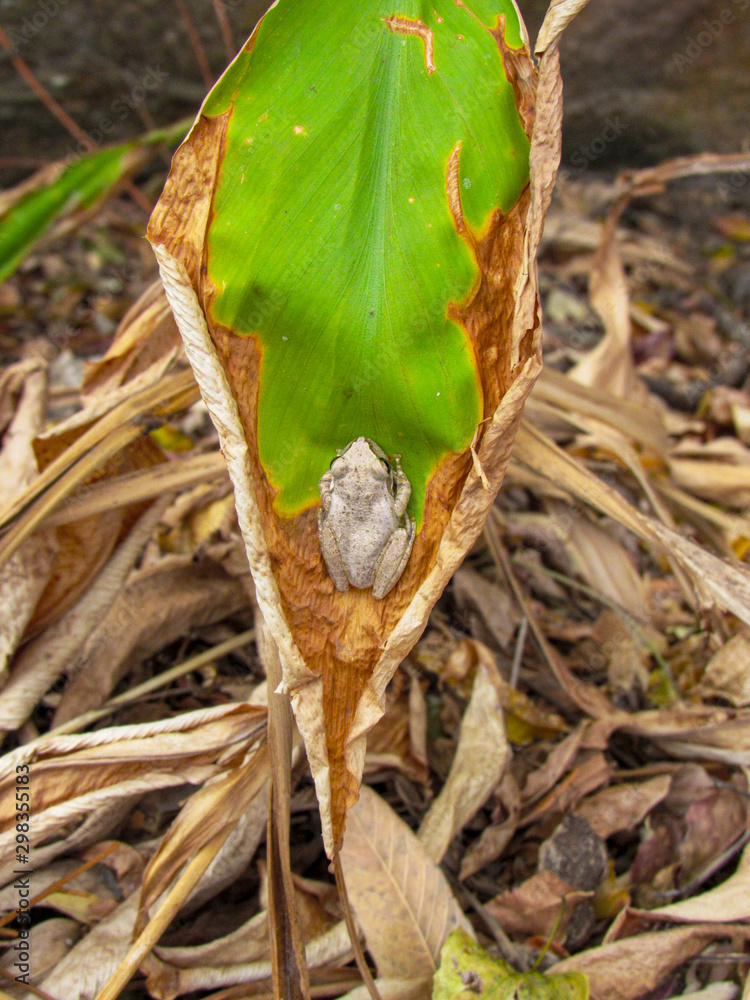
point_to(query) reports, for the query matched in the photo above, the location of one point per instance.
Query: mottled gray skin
(365, 533)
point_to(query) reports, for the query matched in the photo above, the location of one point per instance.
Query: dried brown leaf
(727, 673)
(167, 981)
(717, 481)
(535, 906)
(401, 898)
(17, 461)
(481, 756)
(487, 604)
(593, 772)
(558, 761)
(600, 559)
(49, 942)
(494, 838)
(714, 823)
(44, 659)
(623, 807)
(80, 782)
(715, 580)
(628, 969)
(142, 349)
(23, 579)
(728, 901)
(87, 967)
(212, 811)
(159, 604)
(610, 364)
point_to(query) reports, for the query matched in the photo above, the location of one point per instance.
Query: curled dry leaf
(212, 810)
(339, 650)
(593, 772)
(401, 898)
(728, 901)
(24, 577)
(167, 981)
(600, 559)
(628, 969)
(83, 545)
(727, 673)
(144, 345)
(558, 761)
(74, 776)
(87, 967)
(495, 838)
(536, 906)
(716, 581)
(49, 942)
(623, 807)
(610, 364)
(477, 598)
(44, 659)
(158, 605)
(715, 822)
(481, 756)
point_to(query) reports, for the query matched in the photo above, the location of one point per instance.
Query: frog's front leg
(325, 486)
(403, 488)
(393, 559)
(330, 549)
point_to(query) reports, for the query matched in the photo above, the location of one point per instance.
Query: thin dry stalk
(26, 74)
(226, 29)
(351, 926)
(154, 929)
(195, 41)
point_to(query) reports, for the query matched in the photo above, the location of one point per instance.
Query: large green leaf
(66, 189)
(332, 239)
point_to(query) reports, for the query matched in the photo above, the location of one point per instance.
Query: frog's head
(361, 459)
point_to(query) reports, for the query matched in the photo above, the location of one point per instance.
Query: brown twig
(359, 955)
(226, 29)
(21, 162)
(69, 124)
(61, 882)
(26, 74)
(195, 41)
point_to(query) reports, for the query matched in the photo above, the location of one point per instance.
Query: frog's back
(371, 522)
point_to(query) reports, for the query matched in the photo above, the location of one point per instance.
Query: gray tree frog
(365, 534)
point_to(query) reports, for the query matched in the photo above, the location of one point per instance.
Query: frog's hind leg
(330, 549)
(403, 489)
(393, 559)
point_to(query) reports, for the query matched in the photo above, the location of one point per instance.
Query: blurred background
(643, 80)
